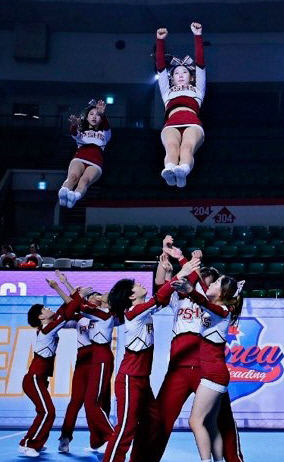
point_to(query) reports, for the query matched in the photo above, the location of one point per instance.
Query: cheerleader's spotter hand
(101, 107)
(162, 33)
(196, 28)
(182, 286)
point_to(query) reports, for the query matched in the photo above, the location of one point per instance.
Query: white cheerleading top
(82, 329)
(139, 329)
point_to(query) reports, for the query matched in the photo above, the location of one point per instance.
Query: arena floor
(261, 446)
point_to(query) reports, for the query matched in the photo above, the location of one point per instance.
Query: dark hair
(228, 289)
(84, 124)
(36, 246)
(92, 293)
(207, 271)
(7, 247)
(33, 315)
(118, 297)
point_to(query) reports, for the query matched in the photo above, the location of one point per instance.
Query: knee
(74, 177)
(188, 146)
(172, 146)
(194, 423)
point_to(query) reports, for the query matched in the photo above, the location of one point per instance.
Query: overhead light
(42, 184)
(109, 99)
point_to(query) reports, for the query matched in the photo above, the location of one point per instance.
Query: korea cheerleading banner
(254, 352)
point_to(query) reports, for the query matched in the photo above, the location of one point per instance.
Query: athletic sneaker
(62, 194)
(63, 445)
(29, 452)
(169, 176)
(180, 176)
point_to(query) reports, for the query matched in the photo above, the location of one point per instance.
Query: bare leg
(90, 175)
(204, 416)
(191, 140)
(171, 139)
(75, 170)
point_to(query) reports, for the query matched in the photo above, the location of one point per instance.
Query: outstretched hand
(62, 278)
(74, 120)
(182, 286)
(189, 267)
(173, 251)
(52, 283)
(101, 107)
(162, 33)
(197, 254)
(164, 260)
(196, 28)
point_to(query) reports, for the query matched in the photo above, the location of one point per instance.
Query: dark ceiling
(227, 16)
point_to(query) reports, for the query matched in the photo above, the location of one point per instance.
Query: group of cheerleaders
(182, 85)
(204, 305)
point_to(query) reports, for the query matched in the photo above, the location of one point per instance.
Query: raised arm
(198, 44)
(63, 279)
(160, 49)
(75, 121)
(141, 308)
(200, 76)
(65, 313)
(54, 285)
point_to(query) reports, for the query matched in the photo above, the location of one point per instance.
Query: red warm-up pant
(178, 384)
(97, 403)
(79, 388)
(136, 408)
(35, 387)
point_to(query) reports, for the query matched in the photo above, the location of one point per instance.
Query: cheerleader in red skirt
(221, 306)
(182, 86)
(91, 132)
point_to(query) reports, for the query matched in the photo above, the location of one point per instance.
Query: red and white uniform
(215, 324)
(189, 96)
(91, 143)
(80, 376)
(97, 396)
(184, 375)
(35, 382)
(135, 399)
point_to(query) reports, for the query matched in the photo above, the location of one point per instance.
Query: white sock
(207, 460)
(169, 166)
(62, 194)
(78, 195)
(186, 168)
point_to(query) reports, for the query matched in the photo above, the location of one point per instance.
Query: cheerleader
(35, 382)
(182, 88)
(221, 307)
(93, 369)
(184, 373)
(135, 399)
(91, 132)
(97, 396)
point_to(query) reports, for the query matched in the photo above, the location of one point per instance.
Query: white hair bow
(187, 61)
(240, 285)
(92, 102)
